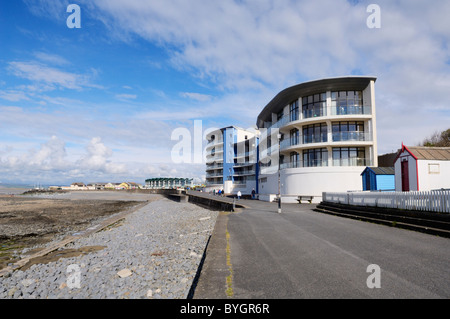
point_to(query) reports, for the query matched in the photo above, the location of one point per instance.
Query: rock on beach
(154, 253)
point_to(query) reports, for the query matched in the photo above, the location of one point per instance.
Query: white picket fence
(432, 201)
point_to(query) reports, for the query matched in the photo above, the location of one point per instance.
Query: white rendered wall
(315, 180)
(312, 181)
(268, 188)
(433, 175)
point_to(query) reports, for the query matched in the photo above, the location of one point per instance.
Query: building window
(314, 105)
(349, 156)
(293, 111)
(295, 159)
(295, 134)
(348, 131)
(315, 157)
(347, 102)
(280, 115)
(316, 133)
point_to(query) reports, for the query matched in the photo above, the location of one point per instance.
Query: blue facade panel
(372, 181)
(229, 137)
(385, 182)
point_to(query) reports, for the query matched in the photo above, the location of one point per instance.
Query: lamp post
(279, 173)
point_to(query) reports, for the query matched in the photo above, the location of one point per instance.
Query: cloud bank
(242, 53)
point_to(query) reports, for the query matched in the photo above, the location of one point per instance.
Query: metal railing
(321, 111)
(351, 136)
(432, 201)
(216, 166)
(298, 164)
(351, 110)
(353, 161)
(356, 161)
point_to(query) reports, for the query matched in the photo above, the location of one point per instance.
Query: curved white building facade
(317, 136)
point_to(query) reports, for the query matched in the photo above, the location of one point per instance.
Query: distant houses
(152, 183)
(79, 186)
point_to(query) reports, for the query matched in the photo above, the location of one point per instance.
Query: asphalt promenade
(256, 253)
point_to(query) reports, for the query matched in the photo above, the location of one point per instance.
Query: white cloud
(50, 78)
(252, 49)
(14, 95)
(51, 155)
(196, 96)
(51, 58)
(124, 97)
(55, 9)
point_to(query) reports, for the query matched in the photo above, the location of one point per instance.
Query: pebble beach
(153, 253)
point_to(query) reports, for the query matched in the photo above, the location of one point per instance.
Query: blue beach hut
(378, 179)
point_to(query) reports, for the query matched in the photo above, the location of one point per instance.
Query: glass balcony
(214, 174)
(351, 136)
(316, 111)
(342, 162)
(354, 161)
(216, 166)
(351, 110)
(312, 163)
(243, 173)
(289, 142)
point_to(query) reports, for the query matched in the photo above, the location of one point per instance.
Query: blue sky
(99, 103)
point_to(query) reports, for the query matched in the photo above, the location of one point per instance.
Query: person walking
(239, 195)
(253, 193)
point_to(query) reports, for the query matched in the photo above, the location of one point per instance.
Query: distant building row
(168, 183)
(99, 186)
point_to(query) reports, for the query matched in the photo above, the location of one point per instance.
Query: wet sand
(32, 221)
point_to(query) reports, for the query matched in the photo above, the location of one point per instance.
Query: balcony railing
(242, 173)
(216, 166)
(214, 173)
(323, 138)
(281, 122)
(214, 142)
(290, 142)
(245, 154)
(297, 164)
(351, 136)
(356, 161)
(320, 111)
(351, 110)
(317, 111)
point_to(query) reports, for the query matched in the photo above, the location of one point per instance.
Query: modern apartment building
(168, 183)
(232, 160)
(319, 136)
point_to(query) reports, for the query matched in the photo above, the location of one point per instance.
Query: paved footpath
(257, 253)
